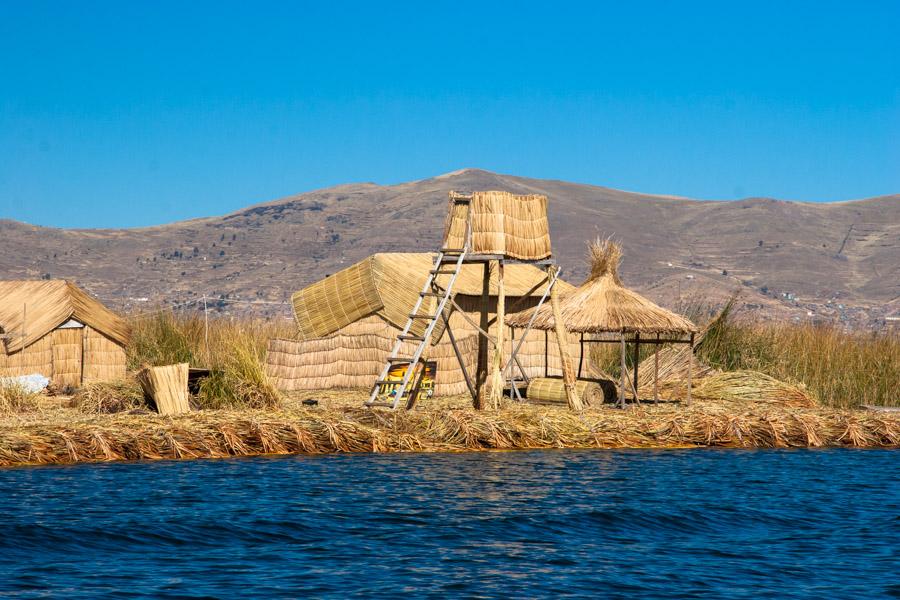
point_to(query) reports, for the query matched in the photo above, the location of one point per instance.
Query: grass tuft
(15, 399)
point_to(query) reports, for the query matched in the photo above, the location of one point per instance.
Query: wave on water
(689, 523)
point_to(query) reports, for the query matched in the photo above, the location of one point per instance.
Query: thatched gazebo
(602, 310)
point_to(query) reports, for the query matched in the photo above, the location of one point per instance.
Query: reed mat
(339, 424)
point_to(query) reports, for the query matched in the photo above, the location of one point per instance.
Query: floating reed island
(340, 424)
(518, 359)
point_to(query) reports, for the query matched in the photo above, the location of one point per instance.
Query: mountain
(834, 261)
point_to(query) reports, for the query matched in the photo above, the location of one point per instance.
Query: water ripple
(583, 523)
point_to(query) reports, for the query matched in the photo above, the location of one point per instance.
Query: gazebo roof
(602, 304)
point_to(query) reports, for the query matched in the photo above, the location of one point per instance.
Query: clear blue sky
(138, 113)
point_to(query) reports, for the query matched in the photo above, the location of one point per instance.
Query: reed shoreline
(57, 437)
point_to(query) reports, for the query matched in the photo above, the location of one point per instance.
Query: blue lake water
(691, 523)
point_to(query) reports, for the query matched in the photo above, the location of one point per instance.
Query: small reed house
(347, 323)
(55, 329)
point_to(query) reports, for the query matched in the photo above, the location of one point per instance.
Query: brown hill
(835, 261)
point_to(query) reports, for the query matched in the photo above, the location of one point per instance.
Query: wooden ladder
(387, 392)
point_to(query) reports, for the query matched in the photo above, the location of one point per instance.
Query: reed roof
(388, 284)
(47, 305)
(512, 225)
(602, 304)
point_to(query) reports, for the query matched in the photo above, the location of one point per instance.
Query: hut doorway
(67, 346)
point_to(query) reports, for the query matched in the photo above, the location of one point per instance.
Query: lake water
(686, 523)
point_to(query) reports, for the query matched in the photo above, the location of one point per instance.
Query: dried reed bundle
(753, 386)
(167, 387)
(546, 390)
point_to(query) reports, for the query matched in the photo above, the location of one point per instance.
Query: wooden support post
(656, 372)
(565, 360)
(24, 336)
(637, 359)
(690, 369)
(624, 373)
(481, 365)
(581, 356)
(459, 357)
(496, 373)
(546, 353)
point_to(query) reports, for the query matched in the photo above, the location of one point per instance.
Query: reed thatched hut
(603, 310)
(347, 323)
(54, 328)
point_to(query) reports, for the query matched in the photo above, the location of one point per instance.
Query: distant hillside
(820, 261)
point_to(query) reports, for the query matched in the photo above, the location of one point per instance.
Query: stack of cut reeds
(167, 386)
(753, 386)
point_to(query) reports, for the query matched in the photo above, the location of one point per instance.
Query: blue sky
(130, 114)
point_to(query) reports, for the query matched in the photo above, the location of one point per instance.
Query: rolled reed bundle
(547, 390)
(167, 386)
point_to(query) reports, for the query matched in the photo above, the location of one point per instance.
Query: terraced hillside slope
(834, 261)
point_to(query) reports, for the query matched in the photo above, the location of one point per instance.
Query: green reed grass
(233, 349)
(843, 369)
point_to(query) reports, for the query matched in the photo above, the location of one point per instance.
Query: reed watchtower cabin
(492, 229)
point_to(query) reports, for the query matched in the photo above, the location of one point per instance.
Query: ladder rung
(420, 316)
(400, 359)
(385, 404)
(382, 382)
(453, 250)
(438, 271)
(412, 338)
(432, 294)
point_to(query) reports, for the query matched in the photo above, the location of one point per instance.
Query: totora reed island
(385, 300)
(480, 343)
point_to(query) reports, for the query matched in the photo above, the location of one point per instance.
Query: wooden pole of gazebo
(690, 369)
(624, 372)
(481, 366)
(656, 371)
(496, 374)
(565, 360)
(637, 360)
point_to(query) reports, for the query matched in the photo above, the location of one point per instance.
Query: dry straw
(244, 433)
(107, 397)
(753, 386)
